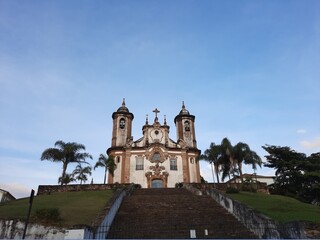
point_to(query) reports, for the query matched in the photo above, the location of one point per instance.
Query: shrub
(47, 215)
(232, 190)
(248, 188)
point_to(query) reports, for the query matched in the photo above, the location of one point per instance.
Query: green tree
(66, 153)
(296, 174)
(80, 173)
(108, 163)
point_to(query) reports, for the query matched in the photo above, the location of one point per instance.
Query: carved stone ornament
(157, 169)
(157, 172)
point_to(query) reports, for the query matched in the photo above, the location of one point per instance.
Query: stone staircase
(172, 213)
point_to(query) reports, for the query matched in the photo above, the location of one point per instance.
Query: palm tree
(212, 155)
(108, 163)
(81, 173)
(243, 154)
(225, 161)
(68, 178)
(66, 153)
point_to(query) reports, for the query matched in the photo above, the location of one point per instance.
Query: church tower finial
(183, 106)
(165, 120)
(147, 120)
(124, 102)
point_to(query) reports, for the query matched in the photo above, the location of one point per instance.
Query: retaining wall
(13, 229)
(48, 189)
(258, 223)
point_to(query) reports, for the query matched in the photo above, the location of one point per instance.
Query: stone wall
(13, 229)
(259, 187)
(48, 189)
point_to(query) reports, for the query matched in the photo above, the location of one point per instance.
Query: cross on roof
(156, 111)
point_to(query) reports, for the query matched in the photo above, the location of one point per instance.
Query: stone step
(172, 213)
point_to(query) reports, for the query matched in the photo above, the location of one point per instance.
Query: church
(154, 160)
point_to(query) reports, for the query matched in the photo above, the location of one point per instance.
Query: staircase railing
(102, 225)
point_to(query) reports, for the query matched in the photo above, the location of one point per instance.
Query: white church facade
(154, 160)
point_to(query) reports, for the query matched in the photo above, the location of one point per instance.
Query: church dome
(123, 108)
(184, 111)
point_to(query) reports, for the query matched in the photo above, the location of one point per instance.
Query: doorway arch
(156, 183)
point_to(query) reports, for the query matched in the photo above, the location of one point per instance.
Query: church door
(157, 183)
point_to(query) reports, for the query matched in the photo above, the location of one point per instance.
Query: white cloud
(314, 144)
(301, 131)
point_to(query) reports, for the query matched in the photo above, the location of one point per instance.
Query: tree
(296, 174)
(241, 153)
(108, 163)
(228, 159)
(211, 155)
(81, 173)
(66, 153)
(68, 178)
(225, 159)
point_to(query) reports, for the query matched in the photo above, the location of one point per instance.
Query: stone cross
(156, 111)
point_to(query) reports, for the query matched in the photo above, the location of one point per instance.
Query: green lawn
(75, 207)
(280, 208)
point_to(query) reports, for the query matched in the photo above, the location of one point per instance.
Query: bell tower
(185, 127)
(122, 126)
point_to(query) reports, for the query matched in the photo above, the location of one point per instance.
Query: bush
(248, 188)
(47, 215)
(178, 185)
(232, 190)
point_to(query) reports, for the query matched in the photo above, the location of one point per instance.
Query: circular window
(156, 132)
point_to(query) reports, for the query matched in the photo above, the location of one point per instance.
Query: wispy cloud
(313, 144)
(301, 131)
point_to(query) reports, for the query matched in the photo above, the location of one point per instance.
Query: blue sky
(248, 70)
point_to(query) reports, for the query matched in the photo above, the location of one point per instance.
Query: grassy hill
(280, 208)
(75, 207)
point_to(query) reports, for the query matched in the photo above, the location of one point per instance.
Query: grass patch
(280, 208)
(75, 207)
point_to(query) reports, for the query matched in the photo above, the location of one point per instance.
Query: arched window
(118, 159)
(122, 123)
(192, 160)
(187, 126)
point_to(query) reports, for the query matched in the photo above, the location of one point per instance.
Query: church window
(118, 159)
(122, 123)
(173, 164)
(156, 157)
(139, 163)
(192, 160)
(187, 126)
